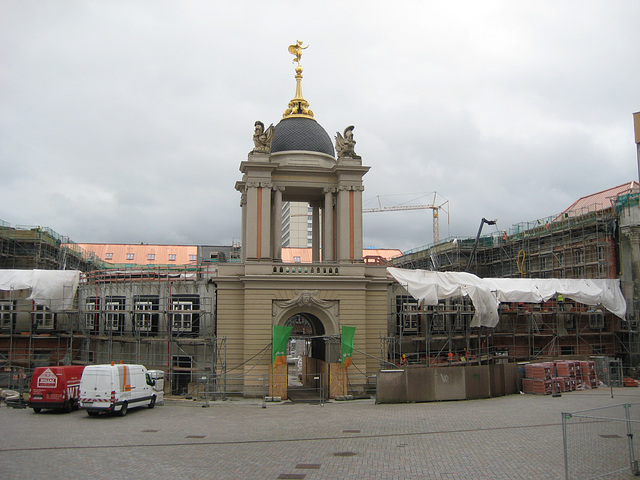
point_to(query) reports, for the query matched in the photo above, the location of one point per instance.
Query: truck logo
(47, 379)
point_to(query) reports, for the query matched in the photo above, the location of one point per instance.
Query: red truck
(55, 388)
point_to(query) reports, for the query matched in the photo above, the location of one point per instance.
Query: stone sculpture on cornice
(262, 138)
(345, 144)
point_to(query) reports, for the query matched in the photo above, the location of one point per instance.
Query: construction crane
(435, 206)
(475, 244)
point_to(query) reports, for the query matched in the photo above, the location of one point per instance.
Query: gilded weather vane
(298, 106)
(296, 50)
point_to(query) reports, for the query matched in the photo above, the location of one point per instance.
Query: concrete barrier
(417, 383)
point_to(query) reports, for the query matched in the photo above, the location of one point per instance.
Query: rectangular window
(43, 318)
(151, 256)
(407, 315)
(129, 256)
(185, 314)
(114, 322)
(172, 257)
(6, 313)
(146, 313)
(181, 316)
(91, 313)
(109, 256)
(193, 258)
(296, 259)
(567, 350)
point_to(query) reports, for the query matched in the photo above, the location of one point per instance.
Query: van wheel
(123, 410)
(152, 403)
(92, 413)
(36, 410)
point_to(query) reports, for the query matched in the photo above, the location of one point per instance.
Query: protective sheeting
(486, 293)
(55, 289)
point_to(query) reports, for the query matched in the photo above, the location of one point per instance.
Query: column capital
(258, 185)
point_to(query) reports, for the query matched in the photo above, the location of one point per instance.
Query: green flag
(347, 344)
(279, 342)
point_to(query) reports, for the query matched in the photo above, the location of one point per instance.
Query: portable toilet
(158, 388)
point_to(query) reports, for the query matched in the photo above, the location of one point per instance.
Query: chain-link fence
(599, 443)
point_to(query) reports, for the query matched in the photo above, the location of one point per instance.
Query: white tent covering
(486, 293)
(54, 289)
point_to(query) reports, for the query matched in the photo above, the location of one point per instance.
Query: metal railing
(599, 442)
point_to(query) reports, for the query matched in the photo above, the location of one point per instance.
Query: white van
(115, 388)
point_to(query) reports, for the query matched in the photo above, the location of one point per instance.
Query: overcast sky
(126, 121)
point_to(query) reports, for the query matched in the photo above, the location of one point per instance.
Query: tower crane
(435, 206)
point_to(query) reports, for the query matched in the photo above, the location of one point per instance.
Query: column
(315, 232)
(276, 217)
(343, 228)
(328, 245)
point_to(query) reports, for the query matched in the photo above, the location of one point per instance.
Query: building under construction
(589, 240)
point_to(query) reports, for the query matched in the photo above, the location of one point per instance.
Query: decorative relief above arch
(309, 299)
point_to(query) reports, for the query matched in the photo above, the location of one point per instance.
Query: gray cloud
(127, 121)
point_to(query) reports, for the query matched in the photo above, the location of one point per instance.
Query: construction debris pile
(559, 376)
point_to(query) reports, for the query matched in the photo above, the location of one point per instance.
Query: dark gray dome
(299, 133)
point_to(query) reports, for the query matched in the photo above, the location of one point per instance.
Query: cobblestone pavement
(512, 437)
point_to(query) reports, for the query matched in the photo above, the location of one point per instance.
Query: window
(151, 256)
(129, 256)
(407, 315)
(181, 322)
(91, 315)
(185, 316)
(109, 256)
(193, 258)
(296, 259)
(146, 313)
(172, 257)
(567, 350)
(6, 314)
(114, 322)
(43, 318)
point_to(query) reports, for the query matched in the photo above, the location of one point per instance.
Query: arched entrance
(314, 344)
(309, 354)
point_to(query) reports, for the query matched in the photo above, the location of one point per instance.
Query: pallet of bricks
(537, 378)
(559, 376)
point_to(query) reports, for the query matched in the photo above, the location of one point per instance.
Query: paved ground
(512, 437)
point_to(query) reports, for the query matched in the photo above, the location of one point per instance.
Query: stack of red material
(538, 378)
(536, 385)
(563, 384)
(539, 370)
(559, 376)
(588, 374)
(565, 368)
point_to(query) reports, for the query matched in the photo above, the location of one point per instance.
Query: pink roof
(598, 201)
(303, 255)
(143, 254)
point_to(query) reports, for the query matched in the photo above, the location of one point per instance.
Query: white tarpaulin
(486, 293)
(54, 289)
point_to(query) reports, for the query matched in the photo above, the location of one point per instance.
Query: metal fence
(599, 443)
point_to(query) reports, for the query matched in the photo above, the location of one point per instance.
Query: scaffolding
(580, 245)
(162, 317)
(31, 247)
(442, 335)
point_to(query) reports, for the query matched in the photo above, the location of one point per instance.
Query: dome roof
(300, 133)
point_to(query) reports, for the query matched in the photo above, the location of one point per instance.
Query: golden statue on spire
(298, 106)
(296, 50)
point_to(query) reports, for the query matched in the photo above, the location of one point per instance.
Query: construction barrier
(600, 442)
